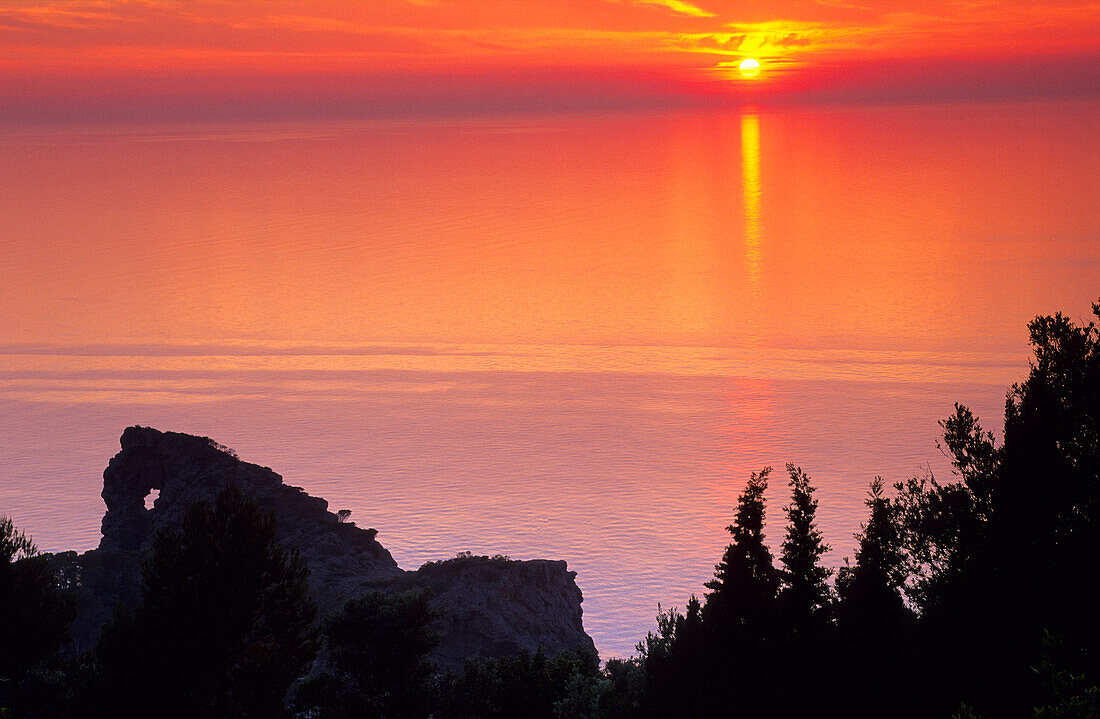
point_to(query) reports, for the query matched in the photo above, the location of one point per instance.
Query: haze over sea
(543, 336)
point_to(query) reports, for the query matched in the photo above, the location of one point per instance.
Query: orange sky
(290, 57)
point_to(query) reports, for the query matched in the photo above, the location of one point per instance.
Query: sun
(750, 67)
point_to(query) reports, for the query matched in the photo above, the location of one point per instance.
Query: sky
(290, 58)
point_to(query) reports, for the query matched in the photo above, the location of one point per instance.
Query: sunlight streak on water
(750, 188)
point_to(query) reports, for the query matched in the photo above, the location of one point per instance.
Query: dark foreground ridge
(486, 607)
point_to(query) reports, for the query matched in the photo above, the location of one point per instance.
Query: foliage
(966, 711)
(624, 693)
(953, 583)
(580, 697)
(805, 591)
(378, 648)
(745, 581)
(874, 625)
(1067, 695)
(880, 569)
(14, 544)
(718, 659)
(225, 625)
(36, 613)
(464, 558)
(805, 604)
(524, 685)
(678, 673)
(996, 557)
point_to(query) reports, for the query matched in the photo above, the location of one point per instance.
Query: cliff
(487, 607)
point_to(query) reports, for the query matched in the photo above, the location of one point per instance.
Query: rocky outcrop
(487, 607)
(343, 559)
(494, 606)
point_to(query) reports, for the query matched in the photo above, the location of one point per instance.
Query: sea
(546, 336)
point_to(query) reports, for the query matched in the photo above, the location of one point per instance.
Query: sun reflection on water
(750, 189)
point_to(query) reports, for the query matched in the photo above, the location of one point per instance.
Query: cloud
(424, 54)
(47, 17)
(679, 7)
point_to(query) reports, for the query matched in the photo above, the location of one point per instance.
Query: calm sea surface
(543, 337)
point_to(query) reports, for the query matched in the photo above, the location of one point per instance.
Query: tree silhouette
(34, 610)
(804, 601)
(745, 581)
(226, 624)
(1048, 517)
(805, 589)
(873, 621)
(527, 685)
(679, 664)
(378, 649)
(880, 570)
(740, 610)
(997, 556)
(953, 588)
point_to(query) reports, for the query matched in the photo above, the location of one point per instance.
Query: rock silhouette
(488, 607)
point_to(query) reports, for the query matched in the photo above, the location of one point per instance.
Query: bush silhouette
(378, 650)
(225, 625)
(34, 610)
